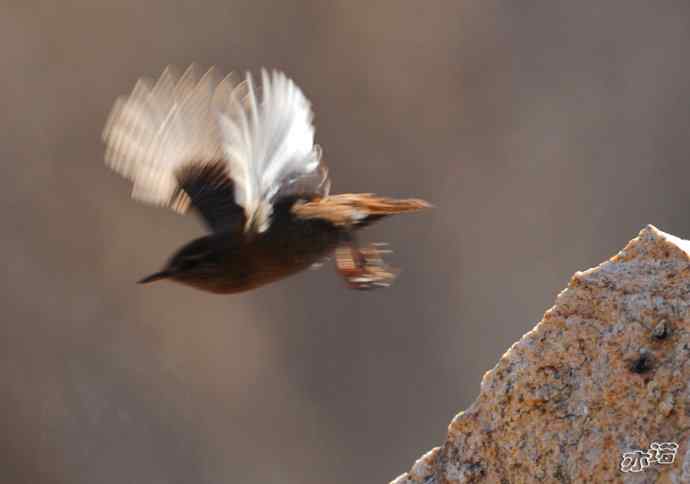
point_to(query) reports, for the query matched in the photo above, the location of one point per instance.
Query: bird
(241, 154)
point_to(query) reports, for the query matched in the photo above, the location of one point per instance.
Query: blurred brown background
(547, 134)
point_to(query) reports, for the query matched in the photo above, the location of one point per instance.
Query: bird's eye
(195, 256)
(187, 261)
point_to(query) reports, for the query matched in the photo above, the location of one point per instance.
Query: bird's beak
(156, 276)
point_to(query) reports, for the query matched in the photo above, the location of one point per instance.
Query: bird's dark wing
(211, 192)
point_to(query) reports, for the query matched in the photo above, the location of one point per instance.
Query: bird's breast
(281, 251)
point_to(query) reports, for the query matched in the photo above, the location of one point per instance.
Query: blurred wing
(269, 142)
(316, 182)
(249, 148)
(159, 128)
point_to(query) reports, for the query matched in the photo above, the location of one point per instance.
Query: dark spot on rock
(561, 476)
(473, 471)
(641, 364)
(662, 330)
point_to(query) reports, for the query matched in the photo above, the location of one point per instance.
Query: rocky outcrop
(596, 392)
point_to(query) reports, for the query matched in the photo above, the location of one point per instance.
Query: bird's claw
(365, 269)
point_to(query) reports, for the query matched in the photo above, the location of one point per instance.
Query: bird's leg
(363, 268)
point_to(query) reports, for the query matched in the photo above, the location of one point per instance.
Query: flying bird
(243, 157)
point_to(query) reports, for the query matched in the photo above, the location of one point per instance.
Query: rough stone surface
(604, 373)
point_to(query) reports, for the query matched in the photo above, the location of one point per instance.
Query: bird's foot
(365, 268)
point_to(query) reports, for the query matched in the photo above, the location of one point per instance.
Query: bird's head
(199, 259)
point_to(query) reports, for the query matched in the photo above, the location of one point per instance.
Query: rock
(603, 375)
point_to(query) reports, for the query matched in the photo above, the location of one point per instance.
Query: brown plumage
(249, 167)
(355, 208)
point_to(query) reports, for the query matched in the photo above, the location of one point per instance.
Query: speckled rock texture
(594, 392)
